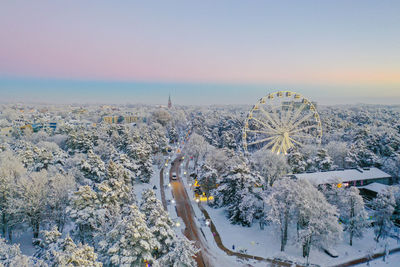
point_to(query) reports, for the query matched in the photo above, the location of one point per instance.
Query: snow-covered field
(266, 243)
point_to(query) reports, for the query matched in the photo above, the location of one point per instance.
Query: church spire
(169, 102)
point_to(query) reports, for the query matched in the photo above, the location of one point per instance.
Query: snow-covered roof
(375, 187)
(343, 175)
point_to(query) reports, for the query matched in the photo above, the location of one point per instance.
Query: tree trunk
(306, 248)
(282, 240)
(4, 223)
(35, 228)
(351, 238)
(351, 223)
(284, 231)
(10, 234)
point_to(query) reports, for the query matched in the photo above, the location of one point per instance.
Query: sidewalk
(366, 259)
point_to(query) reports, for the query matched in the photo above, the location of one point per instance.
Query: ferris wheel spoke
(301, 121)
(302, 129)
(273, 122)
(297, 114)
(263, 140)
(297, 142)
(279, 140)
(260, 131)
(288, 112)
(278, 120)
(286, 145)
(303, 136)
(265, 124)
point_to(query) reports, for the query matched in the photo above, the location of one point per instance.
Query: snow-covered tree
(162, 117)
(281, 202)
(355, 216)
(158, 221)
(219, 160)
(80, 141)
(196, 147)
(207, 179)
(317, 219)
(338, 151)
(181, 255)
(296, 161)
(141, 152)
(322, 161)
(93, 167)
(29, 203)
(233, 188)
(85, 212)
(270, 165)
(383, 206)
(56, 251)
(130, 242)
(11, 169)
(60, 186)
(11, 256)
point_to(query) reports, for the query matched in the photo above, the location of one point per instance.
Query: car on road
(174, 176)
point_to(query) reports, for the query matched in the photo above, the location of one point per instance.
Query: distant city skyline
(208, 52)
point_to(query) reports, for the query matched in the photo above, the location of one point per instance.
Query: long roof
(343, 175)
(375, 187)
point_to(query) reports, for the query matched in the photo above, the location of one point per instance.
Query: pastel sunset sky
(202, 52)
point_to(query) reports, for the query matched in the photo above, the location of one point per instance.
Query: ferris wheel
(281, 120)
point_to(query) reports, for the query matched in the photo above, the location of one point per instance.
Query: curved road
(184, 210)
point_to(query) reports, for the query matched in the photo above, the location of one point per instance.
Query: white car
(174, 176)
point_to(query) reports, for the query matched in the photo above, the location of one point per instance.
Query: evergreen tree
(233, 187)
(11, 256)
(181, 255)
(296, 161)
(64, 252)
(85, 211)
(93, 167)
(130, 242)
(322, 161)
(207, 179)
(158, 221)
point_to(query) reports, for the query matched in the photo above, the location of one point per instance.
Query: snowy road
(184, 210)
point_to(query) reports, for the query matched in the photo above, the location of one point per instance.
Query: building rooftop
(375, 187)
(347, 175)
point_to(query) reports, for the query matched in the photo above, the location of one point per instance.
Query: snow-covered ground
(219, 257)
(390, 261)
(266, 243)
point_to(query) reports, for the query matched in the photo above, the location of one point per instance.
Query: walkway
(366, 259)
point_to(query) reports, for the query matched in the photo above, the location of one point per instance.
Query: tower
(169, 102)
